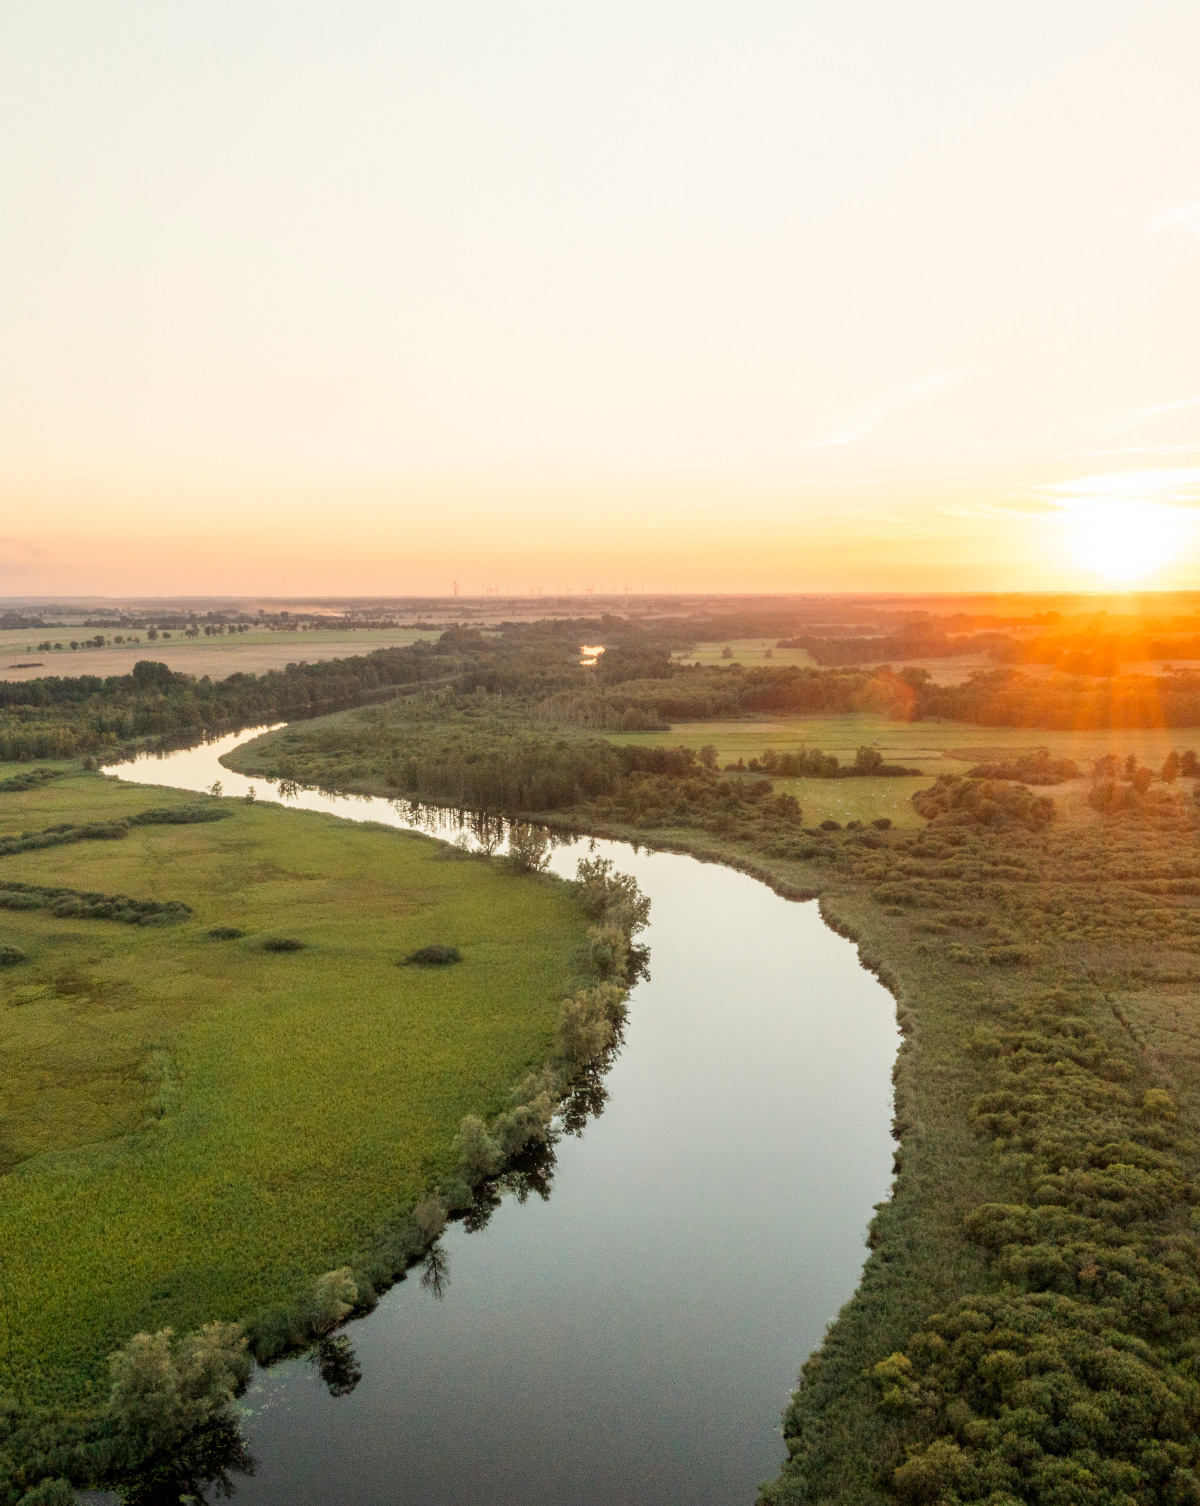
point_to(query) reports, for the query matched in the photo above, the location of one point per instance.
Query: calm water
(631, 1341)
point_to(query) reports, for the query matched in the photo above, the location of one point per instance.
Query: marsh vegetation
(167, 1158)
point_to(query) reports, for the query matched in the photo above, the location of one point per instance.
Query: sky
(355, 298)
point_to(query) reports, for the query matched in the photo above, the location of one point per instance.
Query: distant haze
(357, 298)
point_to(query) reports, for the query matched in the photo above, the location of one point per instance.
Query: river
(632, 1339)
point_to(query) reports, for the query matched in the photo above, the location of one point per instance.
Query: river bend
(632, 1340)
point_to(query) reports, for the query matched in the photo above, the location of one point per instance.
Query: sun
(1125, 541)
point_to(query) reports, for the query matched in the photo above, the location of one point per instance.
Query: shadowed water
(632, 1339)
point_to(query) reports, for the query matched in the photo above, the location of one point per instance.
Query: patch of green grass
(195, 1128)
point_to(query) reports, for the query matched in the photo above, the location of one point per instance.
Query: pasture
(194, 1128)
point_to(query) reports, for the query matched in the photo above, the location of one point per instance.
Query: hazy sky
(346, 297)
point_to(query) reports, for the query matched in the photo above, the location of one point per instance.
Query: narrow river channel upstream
(632, 1339)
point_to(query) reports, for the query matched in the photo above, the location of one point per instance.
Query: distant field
(250, 653)
(306, 1098)
(752, 653)
(934, 747)
(748, 652)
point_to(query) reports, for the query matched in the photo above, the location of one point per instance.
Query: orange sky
(373, 298)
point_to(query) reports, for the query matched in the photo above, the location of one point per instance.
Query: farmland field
(195, 1127)
(253, 652)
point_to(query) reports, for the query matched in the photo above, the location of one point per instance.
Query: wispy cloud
(859, 422)
(1133, 449)
(1178, 487)
(1178, 217)
(1134, 418)
(12, 550)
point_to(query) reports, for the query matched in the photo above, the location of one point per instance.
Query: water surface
(631, 1340)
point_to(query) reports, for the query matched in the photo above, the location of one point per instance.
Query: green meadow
(745, 651)
(194, 1128)
(933, 747)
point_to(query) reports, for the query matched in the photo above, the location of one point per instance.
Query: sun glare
(1125, 541)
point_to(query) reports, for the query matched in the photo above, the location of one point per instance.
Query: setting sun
(1125, 541)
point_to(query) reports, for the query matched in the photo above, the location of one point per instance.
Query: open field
(934, 747)
(761, 653)
(746, 652)
(195, 1128)
(246, 653)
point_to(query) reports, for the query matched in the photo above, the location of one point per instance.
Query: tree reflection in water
(204, 1468)
(337, 1364)
(435, 1276)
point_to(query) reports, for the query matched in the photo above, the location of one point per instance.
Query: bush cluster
(66, 832)
(1029, 768)
(29, 780)
(79, 904)
(956, 801)
(1078, 1375)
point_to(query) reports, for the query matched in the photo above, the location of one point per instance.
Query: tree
(163, 1388)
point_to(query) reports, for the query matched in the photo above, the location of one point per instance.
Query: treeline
(66, 717)
(916, 643)
(811, 763)
(536, 667)
(1008, 698)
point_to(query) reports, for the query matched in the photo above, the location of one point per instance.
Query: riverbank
(202, 1116)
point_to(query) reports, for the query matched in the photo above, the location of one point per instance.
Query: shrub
(831, 825)
(226, 933)
(89, 905)
(180, 815)
(333, 1297)
(50, 1493)
(282, 944)
(528, 848)
(10, 956)
(28, 781)
(613, 897)
(477, 1152)
(433, 956)
(608, 950)
(430, 1216)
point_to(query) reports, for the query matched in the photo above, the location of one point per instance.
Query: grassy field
(246, 653)
(195, 1128)
(746, 652)
(934, 747)
(761, 653)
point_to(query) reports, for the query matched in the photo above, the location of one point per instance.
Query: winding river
(632, 1339)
